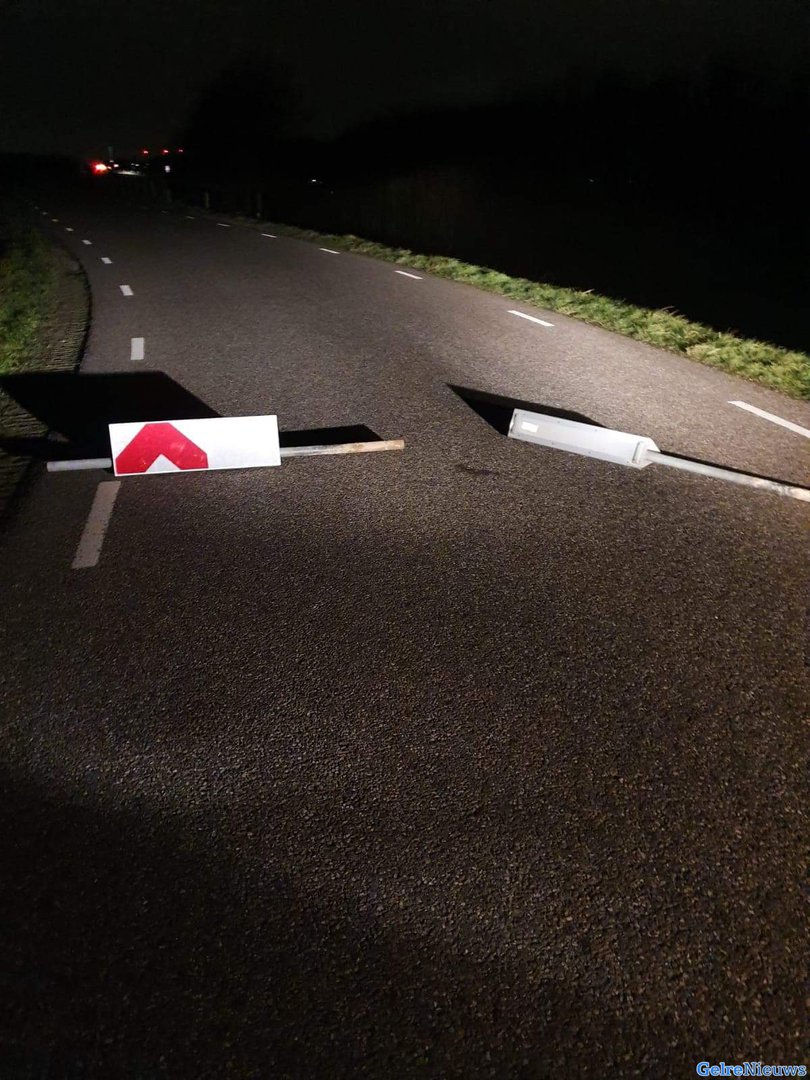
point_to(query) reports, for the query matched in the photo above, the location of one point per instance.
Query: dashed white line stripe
(271, 235)
(44, 213)
(531, 318)
(87, 243)
(68, 229)
(89, 549)
(55, 220)
(106, 261)
(774, 419)
(406, 274)
(126, 290)
(137, 348)
(223, 225)
(331, 251)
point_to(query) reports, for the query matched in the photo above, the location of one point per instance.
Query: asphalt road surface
(473, 760)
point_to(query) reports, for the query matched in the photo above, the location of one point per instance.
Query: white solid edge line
(331, 251)
(531, 318)
(137, 348)
(77, 464)
(106, 261)
(89, 549)
(126, 290)
(271, 235)
(88, 242)
(406, 274)
(774, 419)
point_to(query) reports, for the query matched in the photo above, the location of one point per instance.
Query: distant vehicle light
(181, 151)
(99, 167)
(144, 151)
(164, 151)
(167, 168)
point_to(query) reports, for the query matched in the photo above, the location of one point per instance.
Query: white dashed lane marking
(137, 348)
(68, 229)
(271, 235)
(773, 419)
(223, 225)
(531, 318)
(126, 290)
(89, 549)
(106, 261)
(88, 243)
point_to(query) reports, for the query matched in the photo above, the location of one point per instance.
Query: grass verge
(27, 278)
(786, 370)
(44, 314)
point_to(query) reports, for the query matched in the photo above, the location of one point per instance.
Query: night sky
(77, 75)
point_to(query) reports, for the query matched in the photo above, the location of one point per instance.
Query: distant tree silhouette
(244, 116)
(683, 190)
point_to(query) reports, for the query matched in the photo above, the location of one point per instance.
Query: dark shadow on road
(497, 410)
(231, 853)
(76, 408)
(330, 436)
(79, 407)
(133, 947)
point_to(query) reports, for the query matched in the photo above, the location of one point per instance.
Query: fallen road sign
(80, 464)
(587, 439)
(228, 442)
(637, 451)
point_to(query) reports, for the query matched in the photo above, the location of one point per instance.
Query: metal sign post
(635, 451)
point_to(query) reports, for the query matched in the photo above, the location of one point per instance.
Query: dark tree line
(246, 121)
(670, 192)
(725, 131)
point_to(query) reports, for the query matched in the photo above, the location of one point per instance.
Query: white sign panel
(577, 438)
(161, 446)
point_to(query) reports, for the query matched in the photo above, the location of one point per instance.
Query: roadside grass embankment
(44, 315)
(781, 369)
(28, 270)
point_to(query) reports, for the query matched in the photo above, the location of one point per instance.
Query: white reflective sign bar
(596, 442)
(161, 446)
